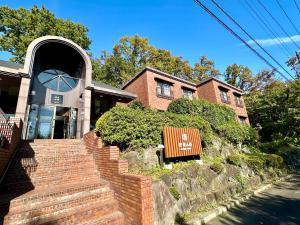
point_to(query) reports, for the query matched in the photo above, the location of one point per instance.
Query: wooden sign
(180, 142)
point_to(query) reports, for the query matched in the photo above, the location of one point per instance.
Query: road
(278, 205)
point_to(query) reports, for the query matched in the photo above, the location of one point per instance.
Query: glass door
(45, 123)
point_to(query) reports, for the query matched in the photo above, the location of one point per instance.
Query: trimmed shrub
(215, 114)
(221, 118)
(136, 105)
(135, 128)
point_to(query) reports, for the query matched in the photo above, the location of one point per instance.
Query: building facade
(53, 92)
(156, 89)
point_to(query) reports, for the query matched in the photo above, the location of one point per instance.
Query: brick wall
(211, 92)
(140, 88)
(12, 133)
(133, 192)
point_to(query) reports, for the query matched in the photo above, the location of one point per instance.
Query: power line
(287, 16)
(295, 1)
(276, 21)
(237, 36)
(250, 36)
(267, 27)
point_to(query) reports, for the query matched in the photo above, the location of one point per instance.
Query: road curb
(236, 201)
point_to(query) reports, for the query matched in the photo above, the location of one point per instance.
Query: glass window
(187, 93)
(224, 96)
(238, 100)
(243, 120)
(57, 80)
(163, 89)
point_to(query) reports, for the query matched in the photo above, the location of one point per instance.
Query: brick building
(156, 89)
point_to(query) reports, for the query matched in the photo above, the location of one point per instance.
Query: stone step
(115, 218)
(74, 215)
(56, 205)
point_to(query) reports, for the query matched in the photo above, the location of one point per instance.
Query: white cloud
(274, 41)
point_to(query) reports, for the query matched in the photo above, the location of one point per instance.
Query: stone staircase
(56, 182)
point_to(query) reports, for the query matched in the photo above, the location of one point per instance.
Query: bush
(221, 118)
(234, 160)
(136, 105)
(135, 128)
(217, 167)
(174, 192)
(215, 114)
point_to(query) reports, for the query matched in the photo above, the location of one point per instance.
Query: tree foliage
(276, 110)
(19, 27)
(243, 78)
(134, 53)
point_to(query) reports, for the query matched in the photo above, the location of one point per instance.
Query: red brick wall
(211, 92)
(12, 132)
(133, 192)
(140, 88)
(163, 103)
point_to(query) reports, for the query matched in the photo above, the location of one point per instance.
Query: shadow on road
(278, 205)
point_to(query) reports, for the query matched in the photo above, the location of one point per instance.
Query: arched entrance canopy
(34, 46)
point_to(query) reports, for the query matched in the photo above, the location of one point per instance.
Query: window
(238, 100)
(243, 120)
(163, 89)
(57, 80)
(224, 96)
(187, 93)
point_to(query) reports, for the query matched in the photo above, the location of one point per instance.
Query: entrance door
(48, 122)
(45, 122)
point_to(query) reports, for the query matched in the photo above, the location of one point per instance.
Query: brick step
(115, 218)
(24, 185)
(48, 181)
(40, 171)
(48, 194)
(56, 205)
(74, 215)
(52, 178)
(55, 141)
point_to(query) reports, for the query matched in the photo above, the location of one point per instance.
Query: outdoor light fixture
(33, 93)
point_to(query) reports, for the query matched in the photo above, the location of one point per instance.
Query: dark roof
(107, 89)
(160, 73)
(11, 65)
(219, 81)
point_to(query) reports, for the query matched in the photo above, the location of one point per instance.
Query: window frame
(238, 100)
(224, 92)
(162, 86)
(187, 90)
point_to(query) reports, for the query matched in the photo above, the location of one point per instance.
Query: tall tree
(294, 64)
(18, 27)
(131, 55)
(243, 78)
(204, 68)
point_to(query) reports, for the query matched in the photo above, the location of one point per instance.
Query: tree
(203, 69)
(276, 110)
(243, 78)
(294, 64)
(19, 27)
(131, 55)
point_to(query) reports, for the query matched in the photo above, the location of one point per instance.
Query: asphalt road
(278, 205)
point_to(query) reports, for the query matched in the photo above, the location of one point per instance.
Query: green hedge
(221, 118)
(136, 128)
(215, 114)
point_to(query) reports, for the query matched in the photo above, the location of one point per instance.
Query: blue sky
(179, 26)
